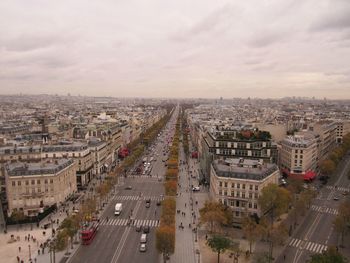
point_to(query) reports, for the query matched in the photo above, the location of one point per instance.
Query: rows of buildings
(50, 151)
(244, 145)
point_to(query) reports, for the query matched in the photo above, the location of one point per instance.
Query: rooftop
(47, 167)
(243, 169)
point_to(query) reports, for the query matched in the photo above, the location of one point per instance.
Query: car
(146, 229)
(148, 205)
(336, 198)
(138, 228)
(345, 193)
(159, 179)
(195, 189)
(158, 203)
(129, 187)
(143, 247)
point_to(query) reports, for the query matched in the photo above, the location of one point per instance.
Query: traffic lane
(323, 229)
(307, 223)
(106, 240)
(133, 254)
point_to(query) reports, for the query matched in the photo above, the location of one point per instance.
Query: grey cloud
(29, 43)
(266, 38)
(217, 20)
(337, 20)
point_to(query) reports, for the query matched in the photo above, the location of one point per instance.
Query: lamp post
(199, 255)
(30, 253)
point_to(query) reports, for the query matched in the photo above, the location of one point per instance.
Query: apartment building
(33, 187)
(238, 183)
(327, 130)
(81, 154)
(236, 143)
(99, 155)
(299, 155)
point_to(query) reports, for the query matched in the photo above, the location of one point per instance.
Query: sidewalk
(15, 243)
(188, 203)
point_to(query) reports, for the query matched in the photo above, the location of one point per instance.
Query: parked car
(129, 187)
(195, 189)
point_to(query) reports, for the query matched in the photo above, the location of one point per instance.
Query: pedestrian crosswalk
(331, 187)
(307, 245)
(136, 197)
(322, 209)
(124, 222)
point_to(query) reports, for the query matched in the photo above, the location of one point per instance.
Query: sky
(182, 48)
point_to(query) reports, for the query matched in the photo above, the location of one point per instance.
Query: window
(220, 183)
(225, 193)
(38, 181)
(250, 187)
(33, 182)
(225, 184)
(232, 193)
(243, 194)
(233, 185)
(237, 214)
(301, 151)
(27, 182)
(250, 205)
(238, 186)
(296, 156)
(220, 192)
(45, 181)
(51, 181)
(250, 195)
(13, 183)
(19, 183)
(243, 186)
(256, 188)
(255, 206)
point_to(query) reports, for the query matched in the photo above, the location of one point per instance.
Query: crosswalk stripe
(312, 247)
(291, 242)
(308, 245)
(317, 248)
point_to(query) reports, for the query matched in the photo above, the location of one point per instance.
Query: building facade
(238, 183)
(298, 154)
(32, 187)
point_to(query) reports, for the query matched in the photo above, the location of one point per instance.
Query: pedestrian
(19, 249)
(38, 251)
(185, 204)
(18, 259)
(284, 257)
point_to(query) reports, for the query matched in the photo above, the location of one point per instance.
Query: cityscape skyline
(202, 49)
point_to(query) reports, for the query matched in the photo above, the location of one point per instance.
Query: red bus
(89, 231)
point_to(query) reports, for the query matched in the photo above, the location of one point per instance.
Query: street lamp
(52, 252)
(30, 253)
(199, 255)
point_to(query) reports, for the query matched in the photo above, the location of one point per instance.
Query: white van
(143, 238)
(118, 209)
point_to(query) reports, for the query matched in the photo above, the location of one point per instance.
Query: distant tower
(44, 128)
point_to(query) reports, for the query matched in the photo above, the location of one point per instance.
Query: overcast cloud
(182, 48)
